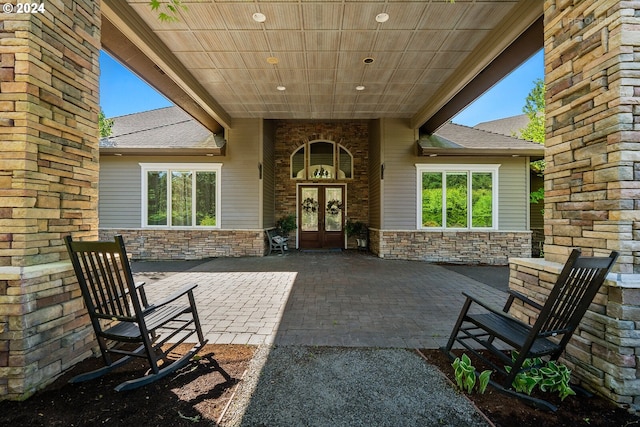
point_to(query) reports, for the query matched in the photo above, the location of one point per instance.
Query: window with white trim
(460, 197)
(181, 195)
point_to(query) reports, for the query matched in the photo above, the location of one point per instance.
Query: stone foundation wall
(44, 330)
(148, 244)
(490, 247)
(603, 352)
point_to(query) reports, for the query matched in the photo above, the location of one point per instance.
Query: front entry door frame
(326, 239)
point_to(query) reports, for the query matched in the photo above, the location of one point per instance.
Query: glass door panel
(321, 212)
(309, 209)
(333, 213)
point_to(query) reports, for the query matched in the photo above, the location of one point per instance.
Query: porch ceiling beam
(520, 35)
(129, 39)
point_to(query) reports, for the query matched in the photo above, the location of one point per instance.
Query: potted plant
(286, 224)
(359, 230)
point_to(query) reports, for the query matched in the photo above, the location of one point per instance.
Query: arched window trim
(350, 157)
(304, 161)
(304, 174)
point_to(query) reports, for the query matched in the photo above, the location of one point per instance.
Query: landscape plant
(286, 224)
(355, 228)
(466, 377)
(549, 376)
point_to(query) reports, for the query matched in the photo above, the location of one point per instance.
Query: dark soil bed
(193, 394)
(196, 394)
(505, 411)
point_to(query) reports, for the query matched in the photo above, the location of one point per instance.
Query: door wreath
(334, 206)
(309, 205)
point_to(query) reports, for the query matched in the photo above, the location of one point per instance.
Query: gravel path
(330, 386)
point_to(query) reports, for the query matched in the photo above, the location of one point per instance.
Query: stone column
(592, 183)
(48, 187)
(592, 150)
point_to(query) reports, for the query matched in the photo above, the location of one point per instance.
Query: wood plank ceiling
(323, 52)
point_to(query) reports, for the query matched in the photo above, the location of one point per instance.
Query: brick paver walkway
(335, 299)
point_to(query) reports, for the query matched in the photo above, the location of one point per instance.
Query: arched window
(321, 160)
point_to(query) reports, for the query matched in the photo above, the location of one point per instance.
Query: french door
(321, 213)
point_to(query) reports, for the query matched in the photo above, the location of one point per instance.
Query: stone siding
(603, 352)
(48, 188)
(353, 135)
(487, 247)
(148, 244)
(592, 181)
(48, 333)
(592, 184)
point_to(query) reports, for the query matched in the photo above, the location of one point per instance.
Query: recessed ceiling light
(382, 17)
(272, 60)
(259, 17)
(360, 87)
(281, 88)
(368, 60)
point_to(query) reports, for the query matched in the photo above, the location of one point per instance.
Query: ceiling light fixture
(360, 87)
(272, 60)
(368, 60)
(382, 17)
(281, 88)
(259, 17)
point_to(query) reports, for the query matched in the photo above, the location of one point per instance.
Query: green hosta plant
(556, 379)
(465, 375)
(548, 376)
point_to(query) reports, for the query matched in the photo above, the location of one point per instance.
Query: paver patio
(326, 298)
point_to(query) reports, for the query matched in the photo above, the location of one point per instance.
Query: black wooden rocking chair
(119, 312)
(495, 330)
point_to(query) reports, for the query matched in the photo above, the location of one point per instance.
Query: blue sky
(122, 92)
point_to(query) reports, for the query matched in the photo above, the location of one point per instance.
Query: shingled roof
(458, 140)
(172, 131)
(509, 126)
(164, 131)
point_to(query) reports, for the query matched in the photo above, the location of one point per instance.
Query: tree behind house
(104, 125)
(534, 109)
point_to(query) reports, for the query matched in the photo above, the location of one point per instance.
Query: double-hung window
(181, 194)
(457, 197)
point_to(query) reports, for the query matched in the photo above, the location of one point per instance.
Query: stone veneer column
(592, 183)
(592, 144)
(48, 187)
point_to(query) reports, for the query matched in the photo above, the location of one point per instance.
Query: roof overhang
(476, 152)
(527, 31)
(435, 145)
(172, 152)
(129, 39)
